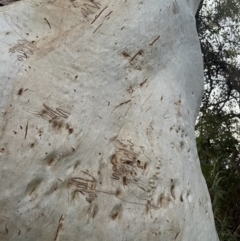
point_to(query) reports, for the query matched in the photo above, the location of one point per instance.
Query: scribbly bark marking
(97, 16)
(151, 44)
(88, 8)
(60, 224)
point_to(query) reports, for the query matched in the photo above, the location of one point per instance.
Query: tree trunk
(98, 103)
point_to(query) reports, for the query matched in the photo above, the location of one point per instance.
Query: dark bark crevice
(6, 2)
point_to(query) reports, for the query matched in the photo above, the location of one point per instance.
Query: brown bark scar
(123, 103)
(97, 16)
(154, 40)
(60, 223)
(177, 235)
(108, 14)
(97, 28)
(141, 85)
(139, 52)
(47, 23)
(26, 130)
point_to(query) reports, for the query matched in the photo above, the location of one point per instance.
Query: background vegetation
(218, 123)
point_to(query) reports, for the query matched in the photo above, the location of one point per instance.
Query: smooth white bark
(98, 103)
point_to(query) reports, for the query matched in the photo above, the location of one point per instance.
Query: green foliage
(218, 124)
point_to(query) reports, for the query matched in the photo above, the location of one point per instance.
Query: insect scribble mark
(92, 179)
(141, 85)
(24, 48)
(140, 52)
(125, 166)
(84, 186)
(26, 130)
(108, 14)
(151, 44)
(177, 235)
(49, 114)
(60, 224)
(123, 103)
(87, 187)
(126, 169)
(97, 28)
(88, 8)
(97, 16)
(47, 22)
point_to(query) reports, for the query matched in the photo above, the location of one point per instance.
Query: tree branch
(233, 162)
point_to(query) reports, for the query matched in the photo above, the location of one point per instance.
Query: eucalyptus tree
(99, 101)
